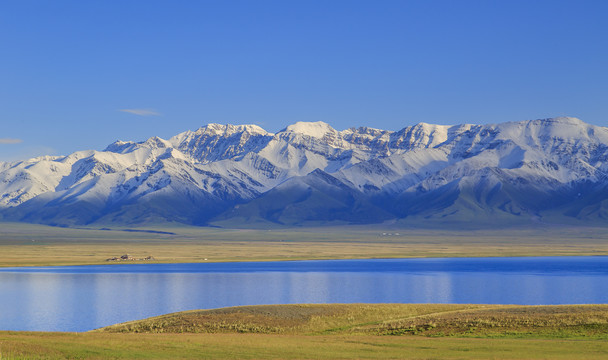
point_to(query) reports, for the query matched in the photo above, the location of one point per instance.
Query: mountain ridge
(535, 170)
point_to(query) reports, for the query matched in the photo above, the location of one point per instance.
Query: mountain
(548, 170)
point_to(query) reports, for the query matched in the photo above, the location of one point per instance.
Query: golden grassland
(338, 331)
(261, 346)
(36, 245)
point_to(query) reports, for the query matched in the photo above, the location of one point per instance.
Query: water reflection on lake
(81, 298)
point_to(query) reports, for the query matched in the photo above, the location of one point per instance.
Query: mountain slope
(317, 198)
(310, 173)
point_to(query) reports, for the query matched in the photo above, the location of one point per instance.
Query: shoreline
(35, 245)
(154, 262)
(383, 313)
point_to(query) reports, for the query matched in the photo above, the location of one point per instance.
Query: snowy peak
(562, 127)
(558, 121)
(123, 147)
(157, 143)
(215, 142)
(317, 129)
(229, 130)
(421, 135)
(365, 131)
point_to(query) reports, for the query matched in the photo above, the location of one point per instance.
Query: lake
(80, 298)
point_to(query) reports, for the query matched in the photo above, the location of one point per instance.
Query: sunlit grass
(260, 346)
(588, 321)
(353, 331)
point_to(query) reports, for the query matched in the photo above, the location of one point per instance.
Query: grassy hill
(338, 331)
(571, 321)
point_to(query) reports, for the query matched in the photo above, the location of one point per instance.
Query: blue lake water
(80, 298)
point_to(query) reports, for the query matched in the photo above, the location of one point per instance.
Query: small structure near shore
(127, 257)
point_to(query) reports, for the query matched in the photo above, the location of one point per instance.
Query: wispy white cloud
(141, 112)
(10, 141)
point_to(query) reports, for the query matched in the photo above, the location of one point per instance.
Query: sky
(78, 75)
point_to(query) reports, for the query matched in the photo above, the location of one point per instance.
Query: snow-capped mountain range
(310, 173)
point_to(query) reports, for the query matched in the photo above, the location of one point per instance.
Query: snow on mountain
(216, 142)
(309, 172)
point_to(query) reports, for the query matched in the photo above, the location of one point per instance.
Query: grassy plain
(354, 331)
(37, 245)
(260, 346)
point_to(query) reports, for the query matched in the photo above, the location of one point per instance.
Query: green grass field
(353, 331)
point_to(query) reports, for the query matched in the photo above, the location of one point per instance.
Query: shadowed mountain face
(549, 170)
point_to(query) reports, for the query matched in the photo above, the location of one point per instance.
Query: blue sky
(68, 68)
